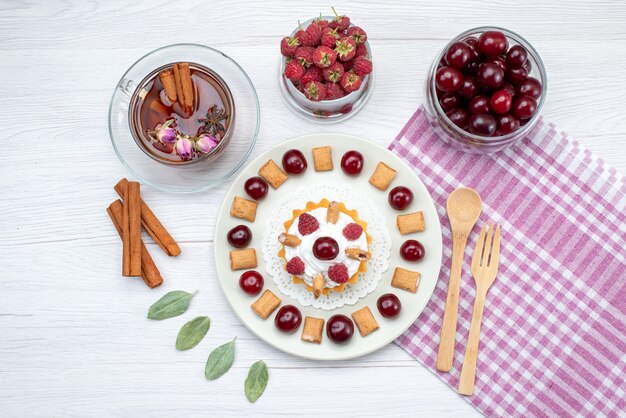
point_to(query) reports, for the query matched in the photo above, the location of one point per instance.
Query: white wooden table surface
(74, 340)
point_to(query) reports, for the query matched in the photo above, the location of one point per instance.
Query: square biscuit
(365, 321)
(243, 208)
(405, 279)
(322, 159)
(312, 330)
(243, 259)
(266, 304)
(273, 174)
(411, 222)
(383, 176)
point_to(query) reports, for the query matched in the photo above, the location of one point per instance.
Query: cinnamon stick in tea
(134, 210)
(167, 79)
(125, 224)
(151, 223)
(149, 271)
(184, 86)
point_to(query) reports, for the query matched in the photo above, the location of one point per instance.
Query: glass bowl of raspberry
(326, 69)
(485, 90)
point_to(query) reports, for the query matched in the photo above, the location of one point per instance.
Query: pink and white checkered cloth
(553, 339)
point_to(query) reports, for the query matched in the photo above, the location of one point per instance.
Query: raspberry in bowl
(326, 68)
(485, 90)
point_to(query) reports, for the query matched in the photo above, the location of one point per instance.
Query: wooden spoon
(464, 207)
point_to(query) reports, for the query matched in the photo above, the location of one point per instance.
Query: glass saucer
(193, 177)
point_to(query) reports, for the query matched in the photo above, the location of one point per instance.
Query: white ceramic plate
(412, 304)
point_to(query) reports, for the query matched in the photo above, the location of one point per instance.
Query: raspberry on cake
(332, 250)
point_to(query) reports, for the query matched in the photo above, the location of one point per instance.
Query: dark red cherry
(472, 68)
(389, 305)
(352, 163)
(339, 329)
(492, 43)
(490, 76)
(524, 107)
(256, 188)
(510, 88)
(528, 66)
(460, 117)
(294, 162)
(325, 248)
(251, 282)
(529, 87)
(469, 87)
(516, 56)
(482, 124)
(479, 104)
(448, 79)
(471, 41)
(400, 197)
(239, 236)
(501, 101)
(507, 124)
(288, 319)
(516, 75)
(459, 55)
(412, 250)
(499, 61)
(449, 101)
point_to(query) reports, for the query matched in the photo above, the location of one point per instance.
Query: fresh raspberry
(338, 273)
(315, 33)
(346, 48)
(361, 51)
(329, 37)
(334, 73)
(333, 91)
(307, 224)
(314, 91)
(350, 82)
(324, 57)
(352, 231)
(357, 34)
(295, 266)
(294, 70)
(312, 73)
(340, 22)
(347, 66)
(288, 46)
(304, 38)
(304, 54)
(362, 66)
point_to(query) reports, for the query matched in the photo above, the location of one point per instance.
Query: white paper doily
(376, 228)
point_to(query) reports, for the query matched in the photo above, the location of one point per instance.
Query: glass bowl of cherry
(485, 90)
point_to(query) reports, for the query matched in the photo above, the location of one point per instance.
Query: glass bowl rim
(236, 166)
(492, 140)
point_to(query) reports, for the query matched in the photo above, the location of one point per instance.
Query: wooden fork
(485, 262)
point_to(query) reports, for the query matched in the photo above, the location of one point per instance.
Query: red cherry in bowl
(529, 87)
(507, 124)
(325, 248)
(524, 107)
(449, 101)
(479, 104)
(412, 250)
(482, 124)
(352, 163)
(256, 188)
(400, 197)
(251, 282)
(448, 79)
(288, 319)
(294, 162)
(239, 236)
(501, 101)
(339, 329)
(490, 76)
(491, 43)
(389, 305)
(469, 88)
(516, 56)
(459, 55)
(460, 117)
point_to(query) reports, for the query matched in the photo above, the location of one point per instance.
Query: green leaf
(220, 360)
(172, 304)
(256, 381)
(192, 333)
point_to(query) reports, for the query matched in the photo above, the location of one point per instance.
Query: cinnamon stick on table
(134, 210)
(151, 223)
(184, 86)
(167, 79)
(125, 226)
(149, 271)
